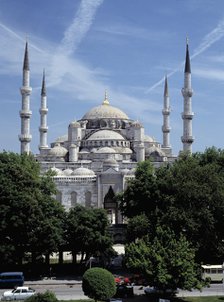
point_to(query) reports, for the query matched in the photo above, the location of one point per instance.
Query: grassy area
(204, 299)
(147, 299)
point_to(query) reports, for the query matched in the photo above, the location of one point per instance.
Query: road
(73, 291)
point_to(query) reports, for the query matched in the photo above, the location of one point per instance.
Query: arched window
(59, 196)
(73, 199)
(88, 196)
(111, 207)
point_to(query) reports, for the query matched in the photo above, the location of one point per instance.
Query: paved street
(72, 289)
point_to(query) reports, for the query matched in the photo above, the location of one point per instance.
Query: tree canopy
(187, 197)
(98, 284)
(88, 231)
(166, 261)
(30, 218)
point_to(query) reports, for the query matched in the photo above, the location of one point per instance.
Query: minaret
(187, 116)
(166, 113)
(25, 114)
(43, 116)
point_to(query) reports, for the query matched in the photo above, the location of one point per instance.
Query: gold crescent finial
(106, 101)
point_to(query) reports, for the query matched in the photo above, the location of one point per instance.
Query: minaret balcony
(166, 129)
(187, 116)
(25, 137)
(43, 110)
(26, 90)
(43, 128)
(187, 92)
(166, 111)
(187, 139)
(25, 113)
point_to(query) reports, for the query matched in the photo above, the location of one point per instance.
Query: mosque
(99, 153)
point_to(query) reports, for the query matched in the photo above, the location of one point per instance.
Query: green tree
(141, 194)
(88, 232)
(30, 219)
(187, 196)
(165, 260)
(98, 284)
(137, 227)
(192, 201)
(47, 296)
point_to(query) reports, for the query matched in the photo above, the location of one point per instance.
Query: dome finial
(106, 101)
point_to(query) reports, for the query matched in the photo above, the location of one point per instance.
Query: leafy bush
(43, 297)
(98, 284)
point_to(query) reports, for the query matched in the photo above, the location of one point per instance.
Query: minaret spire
(106, 100)
(166, 113)
(187, 68)
(187, 116)
(43, 116)
(25, 113)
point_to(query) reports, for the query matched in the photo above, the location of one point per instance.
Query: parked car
(115, 300)
(124, 291)
(19, 293)
(152, 290)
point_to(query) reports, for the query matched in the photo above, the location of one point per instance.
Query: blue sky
(123, 46)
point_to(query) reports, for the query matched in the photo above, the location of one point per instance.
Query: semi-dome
(58, 151)
(67, 172)
(149, 139)
(123, 150)
(83, 172)
(106, 150)
(110, 161)
(154, 151)
(105, 135)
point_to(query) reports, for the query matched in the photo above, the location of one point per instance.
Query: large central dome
(105, 111)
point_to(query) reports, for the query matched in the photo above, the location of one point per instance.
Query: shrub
(98, 284)
(43, 297)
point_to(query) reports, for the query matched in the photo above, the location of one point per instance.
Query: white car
(19, 293)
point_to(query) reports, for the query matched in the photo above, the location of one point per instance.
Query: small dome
(149, 139)
(75, 124)
(83, 172)
(105, 150)
(58, 151)
(62, 139)
(56, 170)
(93, 150)
(110, 161)
(67, 172)
(105, 135)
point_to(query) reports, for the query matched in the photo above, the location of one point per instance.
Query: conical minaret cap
(166, 92)
(187, 61)
(43, 89)
(26, 58)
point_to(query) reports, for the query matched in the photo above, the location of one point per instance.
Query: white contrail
(19, 37)
(73, 36)
(212, 37)
(215, 35)
(80, 26)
